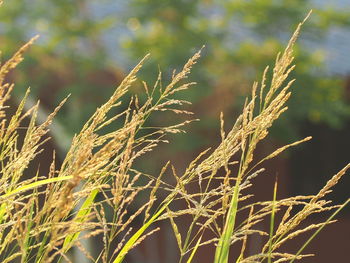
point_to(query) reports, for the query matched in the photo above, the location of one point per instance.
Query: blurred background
(86, 47)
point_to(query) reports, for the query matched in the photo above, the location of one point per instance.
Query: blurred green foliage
(68, 58)
(241, 38)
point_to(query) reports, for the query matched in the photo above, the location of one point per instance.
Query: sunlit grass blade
(3, 208)
(35, 185)
(272, 222)
(129, 245)
(194, 250)
(223, 248)
(81, 216)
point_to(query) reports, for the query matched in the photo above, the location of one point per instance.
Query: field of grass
(93, 194)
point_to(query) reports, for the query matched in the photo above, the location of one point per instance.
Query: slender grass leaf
(81, 217)
(129, 245)
(272, 221)
(35, 185)
(194, 250)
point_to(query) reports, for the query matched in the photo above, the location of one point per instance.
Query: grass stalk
(319, 230)
(272, 222)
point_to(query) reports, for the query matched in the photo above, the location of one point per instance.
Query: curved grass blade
(194, 250)
(81, 217)
(35, 185)
(223, 248)
(272, 222)
(129, 245)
